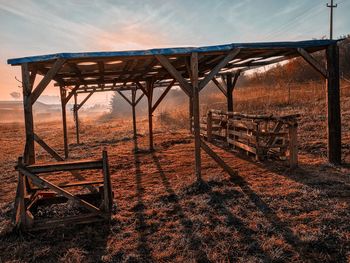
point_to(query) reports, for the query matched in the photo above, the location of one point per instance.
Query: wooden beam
(85, 100)
(77, 73)
(47, 148)
(76, 117)
(29, 149)
(217, 159)
(196, 115)
(138, 100)
(231, 83)
(313, 62)
(46, 80)
(71, 93)
(141, 87)
(220, 86)
(230, 56)
(107, 188)
(163, 95)
(127, 100)
(173, 72)
(150, 114)
(333, 105)
(133, 105)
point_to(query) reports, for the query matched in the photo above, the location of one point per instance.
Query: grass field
(268, 213)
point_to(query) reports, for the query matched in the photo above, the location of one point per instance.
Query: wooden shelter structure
(190, 68)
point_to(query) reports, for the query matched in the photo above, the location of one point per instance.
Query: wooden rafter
(220, 86)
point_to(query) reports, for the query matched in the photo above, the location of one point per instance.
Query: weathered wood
(209, 126)
(76, 117)
(190, 113)
(231, 83)
(165, 92)
(40, 182)
(65, 166)
(150, 114)
(85, 100)
(174, 73)
(63, 94)
(220, 86)
(46, 80)
(333, 105)
(107, 189)
(29, 150)
(47, 148)
(196, 114)
(71, 93)
(293, 145)
(125, 98)
(313, 62)
(133, 105)
(230, 56)
(75, 184)
(217, 158)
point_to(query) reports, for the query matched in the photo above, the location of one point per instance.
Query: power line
(331, 6)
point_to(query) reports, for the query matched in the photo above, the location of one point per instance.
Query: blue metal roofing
(175, 51)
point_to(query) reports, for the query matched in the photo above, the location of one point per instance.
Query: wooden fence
(261, 135)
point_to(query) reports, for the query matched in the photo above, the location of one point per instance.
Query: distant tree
(16, 95)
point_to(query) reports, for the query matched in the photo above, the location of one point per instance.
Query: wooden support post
(231, 83)
(333, 105)
(190, 114)
(196, 125)
(293, 145)
(29, 151)
(150, 114)
(76, 116)
(64, 121)
(107, 188)
(209, 125)
(133, 99)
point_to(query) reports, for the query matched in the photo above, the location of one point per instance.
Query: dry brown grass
(267, 214)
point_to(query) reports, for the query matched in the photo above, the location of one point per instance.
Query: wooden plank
(333, 105)
(313, 62)
(209, 126)
(47, 148)
(163, 95)
(75, 184)
(242, 146)
(175, 74)
(230, 56)
(196, 115)
(64, 166)
(46, 80)
(217, 158)
(40, 182)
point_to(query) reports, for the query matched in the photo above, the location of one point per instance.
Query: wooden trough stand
(261, 135)
(35, 191)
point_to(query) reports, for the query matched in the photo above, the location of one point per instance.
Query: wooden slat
(242, 146)
(65, 166)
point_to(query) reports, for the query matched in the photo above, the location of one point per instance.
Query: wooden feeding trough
(261, 135)
(35, 190)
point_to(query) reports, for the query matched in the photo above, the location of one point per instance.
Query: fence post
(293, 145)
(209, 125)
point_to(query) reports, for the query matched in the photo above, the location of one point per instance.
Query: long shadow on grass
(187, 224)
(139, 208)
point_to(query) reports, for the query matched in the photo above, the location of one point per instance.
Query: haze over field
(42, 27)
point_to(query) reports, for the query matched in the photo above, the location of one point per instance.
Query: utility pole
(331, 6)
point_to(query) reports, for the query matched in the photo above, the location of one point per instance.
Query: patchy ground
(267, 214)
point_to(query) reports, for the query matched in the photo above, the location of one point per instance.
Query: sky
(36, 27)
